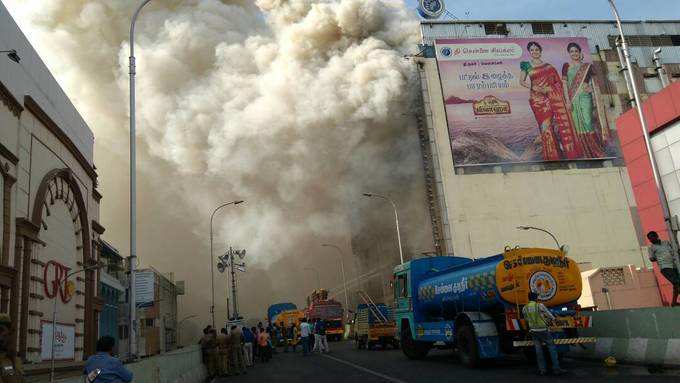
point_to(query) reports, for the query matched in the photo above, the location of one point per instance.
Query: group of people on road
(313, 337)
(227, 353)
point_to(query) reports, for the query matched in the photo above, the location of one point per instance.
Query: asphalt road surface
(346, 364)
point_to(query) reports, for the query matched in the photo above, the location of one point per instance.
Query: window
(648, 40)
(148, 322)
(543, 28)
(613, 277)
(401, 287)
(496, 28)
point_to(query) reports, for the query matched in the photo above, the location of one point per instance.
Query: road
(345, 364)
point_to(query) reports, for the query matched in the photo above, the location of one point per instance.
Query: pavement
(346, 364)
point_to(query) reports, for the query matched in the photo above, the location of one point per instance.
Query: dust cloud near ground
(296, 106)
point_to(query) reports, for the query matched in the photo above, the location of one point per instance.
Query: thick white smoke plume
(277, 102)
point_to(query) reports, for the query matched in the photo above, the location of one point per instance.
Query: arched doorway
(60, 213)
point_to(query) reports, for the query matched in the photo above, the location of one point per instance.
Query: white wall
(588, 209)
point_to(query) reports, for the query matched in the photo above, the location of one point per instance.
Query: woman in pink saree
(558, 136)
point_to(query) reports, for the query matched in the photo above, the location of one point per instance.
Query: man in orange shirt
(263, 345)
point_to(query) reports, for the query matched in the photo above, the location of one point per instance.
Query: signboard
(144, 288)
(515, 100)
(431, 9)
(64, 341)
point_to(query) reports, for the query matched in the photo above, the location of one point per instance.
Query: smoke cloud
(296, 106)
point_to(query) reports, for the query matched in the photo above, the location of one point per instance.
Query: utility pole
(229, 260)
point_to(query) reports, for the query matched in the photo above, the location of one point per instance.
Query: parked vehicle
(374, 325)
(475, 305)
(289, 317)
(274, 310)
(319, 306)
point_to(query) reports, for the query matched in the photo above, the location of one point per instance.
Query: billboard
(144, 288)
(514, 100)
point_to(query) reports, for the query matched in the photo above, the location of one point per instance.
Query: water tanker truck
(474, 306)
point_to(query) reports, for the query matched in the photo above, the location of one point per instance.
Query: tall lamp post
(396, 220)
(645, 133)
(318, 278)
(54, 310)
(212, 259)
(133, 183)
(342, 267)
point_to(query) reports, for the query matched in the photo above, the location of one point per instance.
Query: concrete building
(662, 113)
(616, 288)
(157, 296)
(50, 208)
(111, 289)
(586, 201)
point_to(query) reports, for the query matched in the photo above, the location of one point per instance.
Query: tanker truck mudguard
(475, 306)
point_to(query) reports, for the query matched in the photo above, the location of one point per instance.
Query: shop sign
(64, 341)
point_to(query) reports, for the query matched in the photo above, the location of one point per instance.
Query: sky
(560, 9)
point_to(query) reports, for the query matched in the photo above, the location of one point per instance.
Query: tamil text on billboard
(522, 100)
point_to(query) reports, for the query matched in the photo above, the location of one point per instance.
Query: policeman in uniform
(11, 368)
(538, 318)
(223, 345)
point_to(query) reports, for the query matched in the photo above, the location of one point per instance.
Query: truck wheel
(412, 348)
(466, 342)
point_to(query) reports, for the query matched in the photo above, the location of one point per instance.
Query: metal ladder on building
(372, 306)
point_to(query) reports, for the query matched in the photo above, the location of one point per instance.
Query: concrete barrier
(179, 366)
(649, 336)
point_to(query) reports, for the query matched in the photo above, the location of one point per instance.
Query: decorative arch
(61, 184)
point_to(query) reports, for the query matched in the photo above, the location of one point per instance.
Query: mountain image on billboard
(522, 100)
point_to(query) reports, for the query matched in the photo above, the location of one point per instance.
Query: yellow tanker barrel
(554, 277)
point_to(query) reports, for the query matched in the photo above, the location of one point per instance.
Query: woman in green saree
(577, 77)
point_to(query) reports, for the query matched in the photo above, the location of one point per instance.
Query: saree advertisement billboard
(518, 100)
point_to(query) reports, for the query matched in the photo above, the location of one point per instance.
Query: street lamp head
(368, 194)
(238, 202)
(523, 228)
(12, 54)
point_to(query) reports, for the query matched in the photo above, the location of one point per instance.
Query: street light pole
(212, 260)
(396, 220)
(543, 230)
(342, 267)
(645, 134)
(54, 312)
(318, 278)
(133, 183)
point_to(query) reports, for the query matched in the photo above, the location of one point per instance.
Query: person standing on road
(661, 252)
(538, 318)
(324, 337)
(236, 351)
(319, 335)
(223, 366)
(291, 335)
(209, 348)
(304, 336)
(262, 345)
(248, 341)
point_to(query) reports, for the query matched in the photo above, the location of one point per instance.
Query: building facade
(156, 295)
(662, 113)
(481, 184)
(50, 208)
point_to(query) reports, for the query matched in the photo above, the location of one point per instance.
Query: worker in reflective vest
(538, 318)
